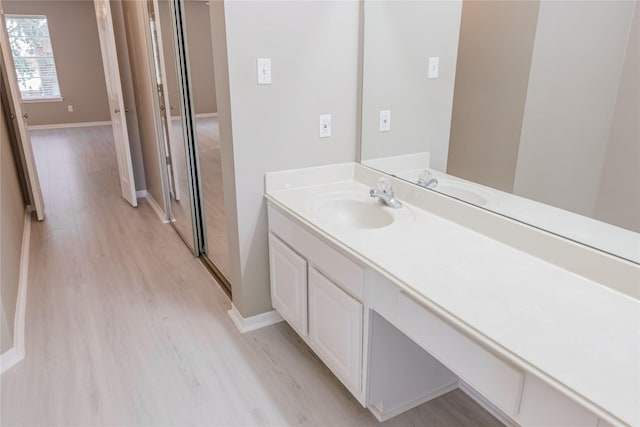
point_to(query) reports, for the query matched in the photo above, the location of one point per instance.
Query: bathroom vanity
(404, 305)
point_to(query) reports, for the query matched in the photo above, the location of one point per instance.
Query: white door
(19, 116)
(116, 103)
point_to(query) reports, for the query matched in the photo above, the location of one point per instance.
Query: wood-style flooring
(213, 193)
(124, 327)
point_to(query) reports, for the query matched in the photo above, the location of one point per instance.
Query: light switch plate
(264, 71)
(434, 67)
(385, 120)
(325, 125)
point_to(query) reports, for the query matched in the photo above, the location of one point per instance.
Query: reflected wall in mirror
(532, 111)
(196, 176)
(177, 170)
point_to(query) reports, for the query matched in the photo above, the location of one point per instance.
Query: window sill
(36, 100)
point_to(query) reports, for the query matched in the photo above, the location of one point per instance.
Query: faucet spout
(385, 194)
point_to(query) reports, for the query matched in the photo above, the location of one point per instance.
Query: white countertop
(581, 335)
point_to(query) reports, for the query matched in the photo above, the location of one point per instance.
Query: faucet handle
(384, 185)
(424, 177)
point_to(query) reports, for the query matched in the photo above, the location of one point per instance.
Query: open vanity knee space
(403, 306)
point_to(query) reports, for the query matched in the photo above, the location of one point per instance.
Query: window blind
(33, 56)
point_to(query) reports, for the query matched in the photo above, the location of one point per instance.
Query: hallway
(125, 327)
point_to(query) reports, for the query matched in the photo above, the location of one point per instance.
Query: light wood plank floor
(125, 327)
(212, 190)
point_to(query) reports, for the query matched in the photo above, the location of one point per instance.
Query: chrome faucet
(385, 193)
(426, 180)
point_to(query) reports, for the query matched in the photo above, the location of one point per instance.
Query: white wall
(618, 196)
(314, 51)
(567, 118)
(396, 56)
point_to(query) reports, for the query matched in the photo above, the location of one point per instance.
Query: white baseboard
(248, 324)
(382, 415)
(198, 116)
(486, 405)
(69, 125)
(202, 115)
(15, 354)
(9, 359)
(144, 194)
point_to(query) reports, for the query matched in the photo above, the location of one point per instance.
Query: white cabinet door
(335, 329)
(288, 284)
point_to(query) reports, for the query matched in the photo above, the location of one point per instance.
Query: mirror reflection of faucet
(426, 180)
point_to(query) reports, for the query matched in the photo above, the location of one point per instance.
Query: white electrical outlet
(434, 67)
(70, 108)
(264, 71)
(385, 120)
(325, 125)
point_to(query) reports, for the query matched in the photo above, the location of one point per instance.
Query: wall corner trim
(248, 324)
(144, 194)
(15, 354)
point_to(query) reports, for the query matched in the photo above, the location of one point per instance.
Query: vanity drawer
(495, 379)
(337, 267)
(542, 405)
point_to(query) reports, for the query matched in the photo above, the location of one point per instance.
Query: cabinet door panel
(335, 329)
(288, 284)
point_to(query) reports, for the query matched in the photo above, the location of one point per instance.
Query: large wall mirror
(530, 109)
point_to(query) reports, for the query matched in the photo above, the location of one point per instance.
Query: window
(33, 57)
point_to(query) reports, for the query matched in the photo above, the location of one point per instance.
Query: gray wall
(496, 44)
(396, 56)
(201, 56)
(128, 93)
(567, 118)
(11, 228)
(314, 51)
(144, 88)
(618, 196)
(74, 36)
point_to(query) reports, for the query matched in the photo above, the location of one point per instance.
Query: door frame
(19, 117)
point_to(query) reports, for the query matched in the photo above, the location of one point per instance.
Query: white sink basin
(355, 213)
(354, 210)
